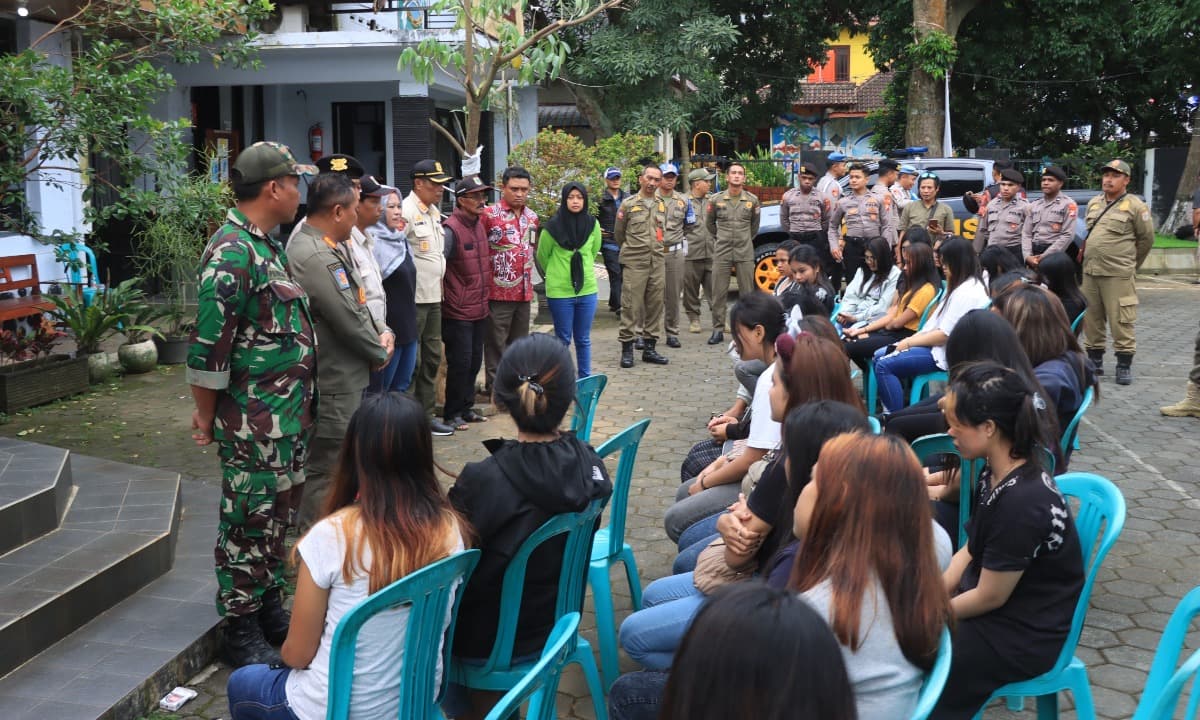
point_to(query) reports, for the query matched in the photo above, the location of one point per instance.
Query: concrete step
(117, 666)
(117, 535)
(35, 487)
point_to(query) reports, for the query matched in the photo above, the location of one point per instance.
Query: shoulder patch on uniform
(340, 278)
(1145, 215)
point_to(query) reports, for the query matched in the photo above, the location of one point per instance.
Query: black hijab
(571, 231)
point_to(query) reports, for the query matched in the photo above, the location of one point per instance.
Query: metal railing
(410, 15)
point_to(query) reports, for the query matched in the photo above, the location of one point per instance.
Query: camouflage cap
(1119, 166)
(267, 161)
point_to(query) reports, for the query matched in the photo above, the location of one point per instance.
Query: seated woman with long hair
(385, 517)
(866, 563)
(1057, 273)
(758, 652)
(870, 293)
(925, 351)
(1061, 367)
(756, 320)
(1017, 580)
(917, 288)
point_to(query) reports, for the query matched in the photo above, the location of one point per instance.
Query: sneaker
(439, 428)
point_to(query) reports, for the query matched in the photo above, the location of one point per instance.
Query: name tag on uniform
(340, 278)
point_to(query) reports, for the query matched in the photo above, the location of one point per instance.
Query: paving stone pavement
(144, 420)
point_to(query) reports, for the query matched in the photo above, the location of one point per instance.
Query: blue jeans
(891, 369)
(256, 692)
(573, 317)
(397, 376)
(651, 635)
(637, 695)
(693, 541)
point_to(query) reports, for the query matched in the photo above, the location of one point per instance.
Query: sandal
(473, 417)
(458, 423)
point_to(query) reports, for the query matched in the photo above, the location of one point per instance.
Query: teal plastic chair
(1070, 436)
(930, 446)
(1100, 504)
(540, 684)
(920, 384)
(609, 547)
(872, 389)
(500, 672)
(1078, 321)
(935, 681)
(1165, 684)
(587, 398)
(430, 593)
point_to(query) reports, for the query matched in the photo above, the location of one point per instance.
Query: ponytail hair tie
(531, 381)
(1038, 402)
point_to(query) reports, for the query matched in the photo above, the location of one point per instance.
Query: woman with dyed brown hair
(867, 564)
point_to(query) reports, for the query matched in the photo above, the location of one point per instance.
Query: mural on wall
(793, 133)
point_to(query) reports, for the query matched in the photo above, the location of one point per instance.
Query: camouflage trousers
(261, 486)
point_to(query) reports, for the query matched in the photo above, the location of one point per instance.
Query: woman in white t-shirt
(925, 352)
(385, 517)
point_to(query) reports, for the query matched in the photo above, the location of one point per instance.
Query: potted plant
(139, 354)
(766, 177)
(112, 310)
(168, 250)
(30, 374)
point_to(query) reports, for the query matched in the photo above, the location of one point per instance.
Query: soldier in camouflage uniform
(252, 370)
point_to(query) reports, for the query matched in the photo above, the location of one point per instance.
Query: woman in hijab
(566, 251)
(400, 287)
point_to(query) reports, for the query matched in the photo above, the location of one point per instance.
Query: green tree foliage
(83, 91)
(495, 52)
(555, 158)
(719, 65)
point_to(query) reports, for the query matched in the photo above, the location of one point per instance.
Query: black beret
(1055, 171)
(342, 164)
(1012, 175)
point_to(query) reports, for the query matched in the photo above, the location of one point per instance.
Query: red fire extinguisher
(316, 141)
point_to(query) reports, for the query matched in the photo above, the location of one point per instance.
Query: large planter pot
(139, 357)
(102, 366)
(172, 350)
(40, 381)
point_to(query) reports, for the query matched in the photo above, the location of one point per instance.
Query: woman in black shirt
(1016, 582)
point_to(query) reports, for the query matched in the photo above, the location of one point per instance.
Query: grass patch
(1170, 241)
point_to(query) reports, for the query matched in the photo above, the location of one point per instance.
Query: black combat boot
(1097, 358)
(1124, 368)
(639, 344)
(242, 642)
(273, 619)
(673, 342)
(650, 355)
(627, 354)
(716, 338)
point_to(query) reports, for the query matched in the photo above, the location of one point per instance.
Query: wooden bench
(19, 307)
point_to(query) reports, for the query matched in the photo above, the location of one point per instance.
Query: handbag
(712, 571)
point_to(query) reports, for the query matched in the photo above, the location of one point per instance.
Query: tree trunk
(685, 156)
(588, 102)
(1181, 209)
(926, 116)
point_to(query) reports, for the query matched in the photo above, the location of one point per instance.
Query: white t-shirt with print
(376, 692)
(971, 295)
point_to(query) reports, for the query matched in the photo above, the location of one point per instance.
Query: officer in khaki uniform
(804, 213)
(1003, 219)
(643, 274)
(889, 171)
(866, 217)
(673, 218)
(1050, 227)
(350, 343)
(1120, 236)
(732, 218)
(697, 273)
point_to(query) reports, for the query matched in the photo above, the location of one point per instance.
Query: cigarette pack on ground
(176, 698)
